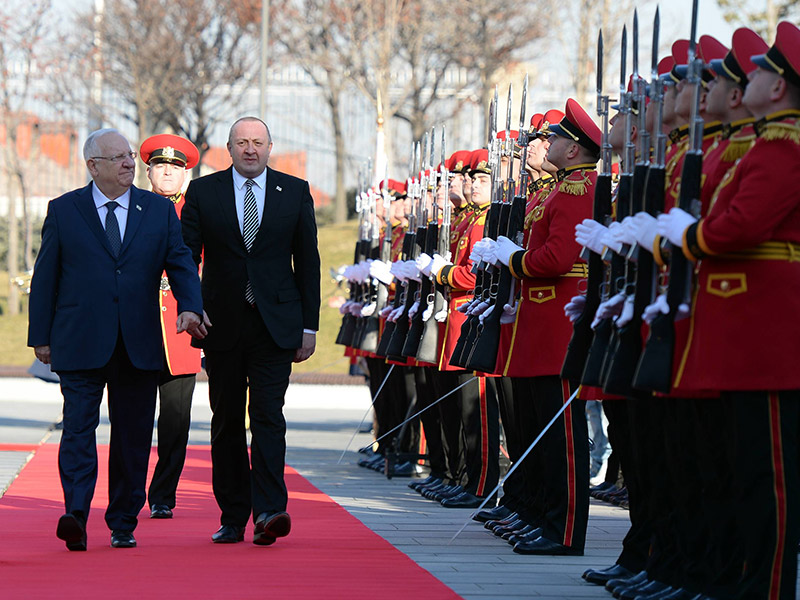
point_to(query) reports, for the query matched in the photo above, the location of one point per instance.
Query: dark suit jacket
(282, 266)
(82, 297)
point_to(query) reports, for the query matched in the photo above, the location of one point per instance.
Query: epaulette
(776, 126)
(740, 140)
(712, 129)
(575, 180)
(679, 133)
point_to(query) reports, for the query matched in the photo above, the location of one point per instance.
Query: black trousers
(450, 420)
(431, 420)
(174, 419)
(562, 468)
(256, 363)
(392, 403)
(514, 484)
(131, 407)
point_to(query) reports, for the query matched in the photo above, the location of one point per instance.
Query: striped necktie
(249, 229)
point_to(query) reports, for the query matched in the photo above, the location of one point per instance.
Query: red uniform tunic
(550, 269)
(460, 279)
(744, 334)
(182, 359)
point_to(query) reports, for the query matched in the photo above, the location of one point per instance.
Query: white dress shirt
(121, 212)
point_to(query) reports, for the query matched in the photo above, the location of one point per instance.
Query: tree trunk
(340, 197)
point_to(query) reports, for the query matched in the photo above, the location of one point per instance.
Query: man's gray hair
(237, 121)
(90, 147)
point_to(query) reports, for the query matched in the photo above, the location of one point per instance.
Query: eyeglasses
(118, 158)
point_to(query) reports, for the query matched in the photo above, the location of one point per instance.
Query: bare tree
(22, 27)
(312, 34)
(764, 20)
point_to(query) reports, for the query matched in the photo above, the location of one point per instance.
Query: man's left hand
(505, 248)
(305, 351)
(673, 224)
(191, 322)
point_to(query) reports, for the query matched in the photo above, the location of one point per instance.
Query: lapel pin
(279, 188)
(138, 207)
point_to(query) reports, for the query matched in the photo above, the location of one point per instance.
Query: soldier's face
(467, 188)
(457, 189)
(481, 189)
(249, 148)
(557, 151)
(669, 117)
(166, 178)
(616, 133)
(758, 95)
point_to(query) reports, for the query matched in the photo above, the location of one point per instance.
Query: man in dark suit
(255, 231)
(94, 316)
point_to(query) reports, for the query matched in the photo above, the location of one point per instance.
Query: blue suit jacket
(82, 297)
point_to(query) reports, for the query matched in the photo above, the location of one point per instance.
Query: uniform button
(163, 309)
(725, 285)
(163, 293)
(119, 272)
(540, 295)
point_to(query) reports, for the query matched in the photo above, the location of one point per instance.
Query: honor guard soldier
(168, 158)
(748, 273)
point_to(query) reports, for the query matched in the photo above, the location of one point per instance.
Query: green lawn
(336, 248)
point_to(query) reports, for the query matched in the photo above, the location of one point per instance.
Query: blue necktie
(112, 228)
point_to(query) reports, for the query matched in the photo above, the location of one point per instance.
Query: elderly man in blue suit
(94, 316)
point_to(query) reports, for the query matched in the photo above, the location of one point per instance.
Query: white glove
(467, 306)
(348, 272)
(574, 308)
(509, 314)
(479, 308)
(627, 311)
(481, 249)
(413, 310)
(609, 240)
(611, 308)
(589, 233)
(672, 225)
(505, 248)
(486, 313)
(437, 264)
(645, 229)
(355, 309)
(361, 271)
(380, 270)
(345, 308)
(386, 310)
(661, 306)
(369, 309)
(411, 271)
(397, 270)
(624, 234)
(395, 314)
(423, 263)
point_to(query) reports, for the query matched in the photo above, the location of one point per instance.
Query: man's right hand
(42, 353)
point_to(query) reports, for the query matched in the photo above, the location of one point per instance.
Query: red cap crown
(501, 135)
(551, 117)
(479, 161)
(784, 55)
(536, 121)
(168, 148)
(458, 161)
(578, 126)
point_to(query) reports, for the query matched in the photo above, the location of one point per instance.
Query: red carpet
(329, 553)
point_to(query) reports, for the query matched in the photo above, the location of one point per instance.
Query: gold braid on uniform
(738, 143)
(572, 181)
(175, 198)
(679, 133)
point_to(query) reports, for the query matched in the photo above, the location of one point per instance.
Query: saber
(518, 463)
(415, 415)
(380, 388)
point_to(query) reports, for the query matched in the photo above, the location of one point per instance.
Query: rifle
(370, 325)
(426, 241)
(483, 271)
(582, 333)
(654, 372)
(436, 308)
(593, 370)
(484, 353)
(410, 287)
(648, 192)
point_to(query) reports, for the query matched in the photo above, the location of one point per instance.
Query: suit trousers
(258, 363)
(431, 421)
(131, 409)
(174, 419)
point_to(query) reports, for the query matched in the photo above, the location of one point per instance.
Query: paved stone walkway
(321, 421)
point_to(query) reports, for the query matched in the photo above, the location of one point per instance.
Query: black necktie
(249, 229)
(112, 228)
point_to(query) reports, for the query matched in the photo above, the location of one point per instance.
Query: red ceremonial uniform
(550, 269)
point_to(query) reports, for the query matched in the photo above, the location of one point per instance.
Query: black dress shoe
(614, 584)
(421, 482)
(403, 469)
(511, 527)
(526, 534)
(228, 534)
(519, 532)
(504, 521)
(463, 500)
(543, 546)
(160, 511)
(450, 491)
(601, 488)
(651, 587)
(270, 526)
(602, 576)
(72, 529)
(122, 539)
(491, 514)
